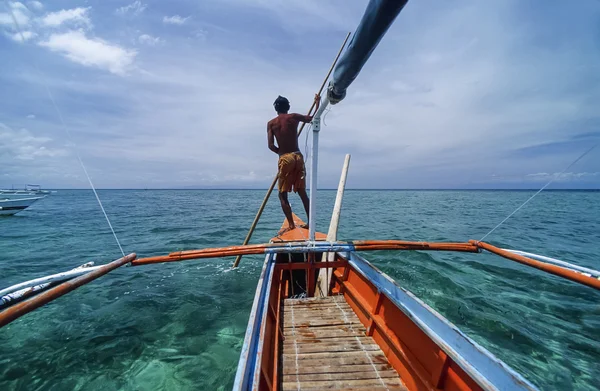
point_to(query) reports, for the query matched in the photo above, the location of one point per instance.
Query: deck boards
(325, 348)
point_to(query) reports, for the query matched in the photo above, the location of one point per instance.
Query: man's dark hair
(281, 104)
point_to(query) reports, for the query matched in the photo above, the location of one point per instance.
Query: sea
(180, 326)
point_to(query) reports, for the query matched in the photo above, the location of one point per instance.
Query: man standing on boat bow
(292, 173)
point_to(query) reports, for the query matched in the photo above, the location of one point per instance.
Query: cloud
(20, 12)
(92, 52)
(36, 5)
(75, 16)
(175, 19)
(31, 116)
(134, 9)
(564, 177)
(22, 145)
(23, 36)
(150, 40)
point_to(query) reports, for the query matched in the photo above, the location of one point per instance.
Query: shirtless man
(292, 174)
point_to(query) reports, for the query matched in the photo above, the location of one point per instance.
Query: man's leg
(287, 209)
(305, 201)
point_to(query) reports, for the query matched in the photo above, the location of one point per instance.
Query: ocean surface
(180, 326)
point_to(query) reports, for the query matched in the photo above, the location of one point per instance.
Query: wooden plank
(334, 309)
(326, 332)
(376, 356)
(370, 373)
(328, 341)
(335, 368)
(321, 348)
(320, 322)
(312, 300)
(333, 385)
(317, 306)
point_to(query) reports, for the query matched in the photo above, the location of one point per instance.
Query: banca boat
(323, 317)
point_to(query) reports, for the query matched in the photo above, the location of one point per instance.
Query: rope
(64, 126)
(539, 191)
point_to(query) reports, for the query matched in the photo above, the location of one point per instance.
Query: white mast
(316, 127)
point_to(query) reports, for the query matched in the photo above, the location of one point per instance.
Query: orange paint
(421, 364)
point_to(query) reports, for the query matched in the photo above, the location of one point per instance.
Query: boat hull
(413, 346)
(13, 206)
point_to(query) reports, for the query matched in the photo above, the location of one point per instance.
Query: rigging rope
(64, 126)
(539, 191)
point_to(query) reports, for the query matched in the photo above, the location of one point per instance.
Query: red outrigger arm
(371, 245)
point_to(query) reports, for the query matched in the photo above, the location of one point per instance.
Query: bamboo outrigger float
(323, 317)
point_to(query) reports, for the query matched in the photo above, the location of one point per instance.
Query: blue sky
(157, 94)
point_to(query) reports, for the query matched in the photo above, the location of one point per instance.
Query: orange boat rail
(370, 245)
(254, 249)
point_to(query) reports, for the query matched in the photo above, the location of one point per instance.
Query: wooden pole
(324, 276)
(266, 199)
(24, 307)
(546, 267)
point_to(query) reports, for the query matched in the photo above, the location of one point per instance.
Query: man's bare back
(284, 129)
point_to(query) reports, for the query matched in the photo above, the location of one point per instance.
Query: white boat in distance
(27, 191)
(11, 206)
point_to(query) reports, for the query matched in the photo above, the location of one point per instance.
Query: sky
(177, 94)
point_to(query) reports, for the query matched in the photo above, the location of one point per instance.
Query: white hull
(13, 206)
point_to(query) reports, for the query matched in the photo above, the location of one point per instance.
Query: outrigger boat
(323, 317)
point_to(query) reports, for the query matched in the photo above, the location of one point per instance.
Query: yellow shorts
(292, 175)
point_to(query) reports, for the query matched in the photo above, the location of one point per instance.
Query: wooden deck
(325, 348)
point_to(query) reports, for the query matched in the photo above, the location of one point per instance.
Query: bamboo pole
(266, 199)
(24, 307)
(297, 247)
(546, 267)
(324, 279)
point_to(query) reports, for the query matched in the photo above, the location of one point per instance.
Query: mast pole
(314, 160)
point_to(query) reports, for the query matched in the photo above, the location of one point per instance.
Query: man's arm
(309, 118)
(271, 140)
(303, 118)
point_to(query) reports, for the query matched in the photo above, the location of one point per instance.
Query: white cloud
(21, 14)
(175, 19)
(23, 36)
(135, 8)
(564, 177)
(21, 144)
(150, 40)
(31, 116)
(92, 52)
(75, 16)
(36, 5)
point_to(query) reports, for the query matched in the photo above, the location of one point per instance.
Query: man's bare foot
(305, 226)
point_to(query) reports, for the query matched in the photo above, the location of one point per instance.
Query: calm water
(180, 326)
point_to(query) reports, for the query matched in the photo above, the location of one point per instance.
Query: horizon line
(327, 189)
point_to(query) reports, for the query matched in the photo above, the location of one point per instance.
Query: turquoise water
(180, 326)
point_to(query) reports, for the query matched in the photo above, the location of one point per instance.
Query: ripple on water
(180, 326)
